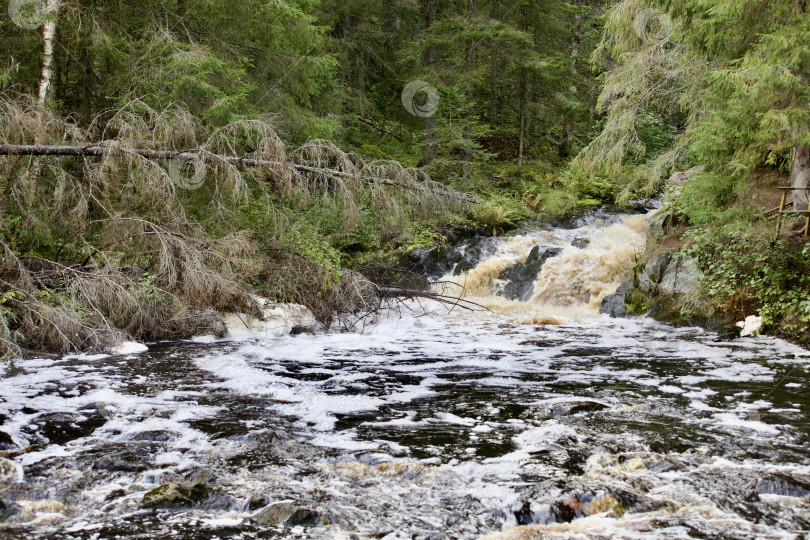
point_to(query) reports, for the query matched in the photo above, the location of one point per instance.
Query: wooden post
(779, 219)
(807, 221)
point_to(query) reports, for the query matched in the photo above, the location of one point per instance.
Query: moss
(176, 494)
(638, 302)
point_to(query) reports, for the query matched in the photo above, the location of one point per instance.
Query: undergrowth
(744, 274)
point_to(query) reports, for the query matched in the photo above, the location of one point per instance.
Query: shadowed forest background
(545, 108)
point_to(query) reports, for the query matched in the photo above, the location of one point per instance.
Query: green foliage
(655, 135)
(494, 215)
(705, 198)
(745, 275)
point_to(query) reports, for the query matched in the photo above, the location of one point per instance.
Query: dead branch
(107, 149)
(455, 301)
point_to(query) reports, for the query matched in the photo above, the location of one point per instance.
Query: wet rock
(581, 243)
(614, 305)
(257, 502)
(154, 436)
(100, 408)
(6, 442)
(520, 278)
(434, 262)
(567, 409)
(61, 427)
(274, 514)
(288, 514)
(188, 493)
(9, 511)
(120, 465)
(778, 486)
(306, 517)
(544, 514)
(543, 343)
(476, 250)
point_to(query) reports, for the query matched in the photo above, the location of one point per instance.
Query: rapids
(533, 419)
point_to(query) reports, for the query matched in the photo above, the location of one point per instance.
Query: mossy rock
(638, 302)
(176, 494)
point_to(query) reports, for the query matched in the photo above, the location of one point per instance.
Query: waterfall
(589, 263)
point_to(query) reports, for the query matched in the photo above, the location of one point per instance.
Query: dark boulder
(613, 305)
(434, 262)
(581, 243)
(475, 251)
(520, 278)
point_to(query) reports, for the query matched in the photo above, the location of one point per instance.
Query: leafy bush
(745, 275)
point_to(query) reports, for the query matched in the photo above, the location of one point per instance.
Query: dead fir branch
(105, 149)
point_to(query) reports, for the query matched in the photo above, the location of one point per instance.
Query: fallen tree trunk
(98, 150)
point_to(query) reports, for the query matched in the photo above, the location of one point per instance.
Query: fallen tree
(110, 149)
(100, 243)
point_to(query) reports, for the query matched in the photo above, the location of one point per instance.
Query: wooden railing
(782, 211)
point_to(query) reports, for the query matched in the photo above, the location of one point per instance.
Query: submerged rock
(567, 409)
(62, 427)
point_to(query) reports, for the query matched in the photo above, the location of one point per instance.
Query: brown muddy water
(537, 419)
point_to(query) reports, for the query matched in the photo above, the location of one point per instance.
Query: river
(534, 418)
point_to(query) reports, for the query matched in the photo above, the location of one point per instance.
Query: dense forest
(220, 148)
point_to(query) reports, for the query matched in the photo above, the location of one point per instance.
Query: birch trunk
(48, 35)
(800, 175)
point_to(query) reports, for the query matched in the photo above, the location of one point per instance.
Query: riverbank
(727, 275)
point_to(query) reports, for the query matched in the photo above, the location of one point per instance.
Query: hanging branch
(101, 150)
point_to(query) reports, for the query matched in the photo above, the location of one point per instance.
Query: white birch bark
(48, 35)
